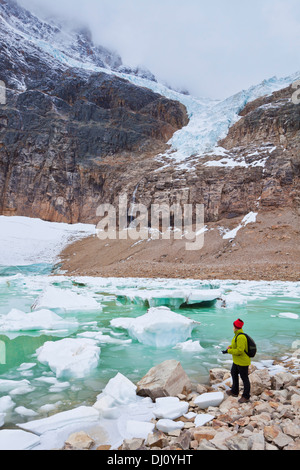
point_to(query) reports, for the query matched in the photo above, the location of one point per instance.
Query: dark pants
(243, 371)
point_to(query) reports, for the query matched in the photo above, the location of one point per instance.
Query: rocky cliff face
(65, 131)
(74, 134)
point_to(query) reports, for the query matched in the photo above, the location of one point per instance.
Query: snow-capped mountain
(80, 127)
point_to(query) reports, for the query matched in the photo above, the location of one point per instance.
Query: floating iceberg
(159, 327)
(65, 300)
(170, 298)
(293, 316)
(6, 405)
(189, 346)
(99, 337)
(70, 357)
(15, 387)
(16, 320)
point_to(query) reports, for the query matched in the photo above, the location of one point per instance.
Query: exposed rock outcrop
(69, 137)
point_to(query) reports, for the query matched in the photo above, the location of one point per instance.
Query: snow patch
(26, 241)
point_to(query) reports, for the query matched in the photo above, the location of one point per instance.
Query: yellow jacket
(238, 349)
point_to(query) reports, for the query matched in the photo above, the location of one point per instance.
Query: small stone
(133, 444)
(204, 433)
(104, 447)
(282, 440)
(158, 439)
(79, 441)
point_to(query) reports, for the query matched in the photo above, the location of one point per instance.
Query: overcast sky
(214, 48)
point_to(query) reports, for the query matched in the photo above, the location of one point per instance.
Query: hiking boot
(244, 400)
(230, 394)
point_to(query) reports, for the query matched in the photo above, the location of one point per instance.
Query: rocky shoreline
(269, 421)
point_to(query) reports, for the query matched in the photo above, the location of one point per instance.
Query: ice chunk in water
(65, 300)
(16, 320)
(118, 392)
(70, 357)
(159, 327)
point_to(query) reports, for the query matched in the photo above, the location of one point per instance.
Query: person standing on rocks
(241, 362)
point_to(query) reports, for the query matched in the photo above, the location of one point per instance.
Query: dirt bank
(265, 250)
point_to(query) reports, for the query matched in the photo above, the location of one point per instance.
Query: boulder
(218, 374)
(164, 380)
(260, 381)
(282, 380)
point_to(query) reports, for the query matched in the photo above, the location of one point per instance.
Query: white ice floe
(118, 392)
(77, 416)
(65, 300)
(173, 298)
(159, 327)
(15, 439)
(203, 419)
(17, 320)
(26, 241)
(293, 316)
(138, 429)
(209, 399)
(6, 405)
(189, 346)
(170, 408)
(100, 338)
(15, 387)
(23, 411)
(123, 413)
(168, 425)
(70, 357)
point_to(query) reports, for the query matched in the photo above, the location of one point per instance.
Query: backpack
(252, 348)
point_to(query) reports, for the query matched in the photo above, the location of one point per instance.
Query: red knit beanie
(238, 324)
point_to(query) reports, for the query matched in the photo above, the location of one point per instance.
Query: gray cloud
(214, 48)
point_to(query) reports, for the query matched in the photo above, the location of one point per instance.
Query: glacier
(210, 119)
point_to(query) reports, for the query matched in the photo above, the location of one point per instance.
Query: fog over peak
(213, 49)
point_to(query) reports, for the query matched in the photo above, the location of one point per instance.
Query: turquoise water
(259, 304)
